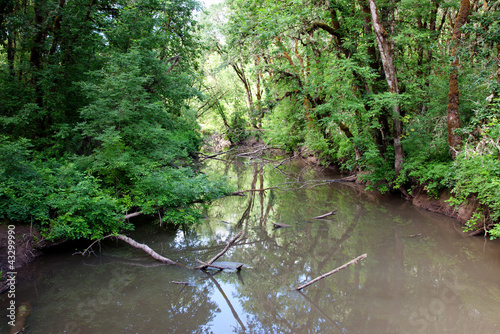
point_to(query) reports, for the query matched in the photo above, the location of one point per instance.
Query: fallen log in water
(356, 260)
(325, 215)
(280, 225)
(147, 249)
(204, 266)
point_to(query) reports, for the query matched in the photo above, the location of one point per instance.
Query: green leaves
(94, 111)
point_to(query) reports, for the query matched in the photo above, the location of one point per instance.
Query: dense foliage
(94, 114)
(403, 91)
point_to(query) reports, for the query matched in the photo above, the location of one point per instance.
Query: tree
(386, 49)
(95, 111)
(453, 120)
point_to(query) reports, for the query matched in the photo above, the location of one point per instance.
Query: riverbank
(419, 196)
(25, 243)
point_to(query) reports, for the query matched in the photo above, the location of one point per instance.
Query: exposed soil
(423, 200)
(27, 246)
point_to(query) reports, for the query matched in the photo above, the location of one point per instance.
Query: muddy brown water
(421, 274)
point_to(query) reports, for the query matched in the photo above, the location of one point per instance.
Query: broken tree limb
(325, 215)
(240, 193)
(92, 244)
(216, 154)
(232, 241)
(147, 249)
(209, 265)
(280, 225)
(133, 214)
(351, 178)
(356, 260)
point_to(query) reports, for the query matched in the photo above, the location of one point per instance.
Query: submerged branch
(325, 215)
(356, 260)
(232, 241)
(240, 193)
(216, 154)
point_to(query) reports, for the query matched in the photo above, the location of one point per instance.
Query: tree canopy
(405, 92)
(94, 114)
(100, 100)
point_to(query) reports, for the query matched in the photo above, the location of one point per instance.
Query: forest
(105, 104)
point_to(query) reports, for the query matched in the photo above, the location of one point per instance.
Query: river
(421, 274)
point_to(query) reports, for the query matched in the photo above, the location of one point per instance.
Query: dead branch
(356, 260)
(351, 178)
(259, 150)
(217, 154)
(209, 265)
(325, 215)
(280, 225)
(240, 193)
(147, 249)
(236, 193)
(133, 214)
(181, 283)
(221, 253)
(92, 244)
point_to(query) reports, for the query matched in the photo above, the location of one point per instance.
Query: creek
(421, 275)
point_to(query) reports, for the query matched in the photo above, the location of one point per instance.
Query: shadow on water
(421, 274)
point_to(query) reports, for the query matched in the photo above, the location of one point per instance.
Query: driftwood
(237, 193)
(280, 225)
(352, 178)
(204, 266)
(356, 260)
(241, 192)
(216, 154)
(210, 265)
(147, 249)
(325, 215)
(133, 214)
(224, 265)
(259, 149)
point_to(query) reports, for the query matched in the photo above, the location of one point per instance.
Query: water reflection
(421, 275)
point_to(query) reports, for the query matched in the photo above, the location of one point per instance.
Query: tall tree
(386, 49)
(453, 118)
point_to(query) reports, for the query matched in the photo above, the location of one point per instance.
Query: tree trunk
(386, 48)
(240, 72)
(453, 118)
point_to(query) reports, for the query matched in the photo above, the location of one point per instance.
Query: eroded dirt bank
(27, 242)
